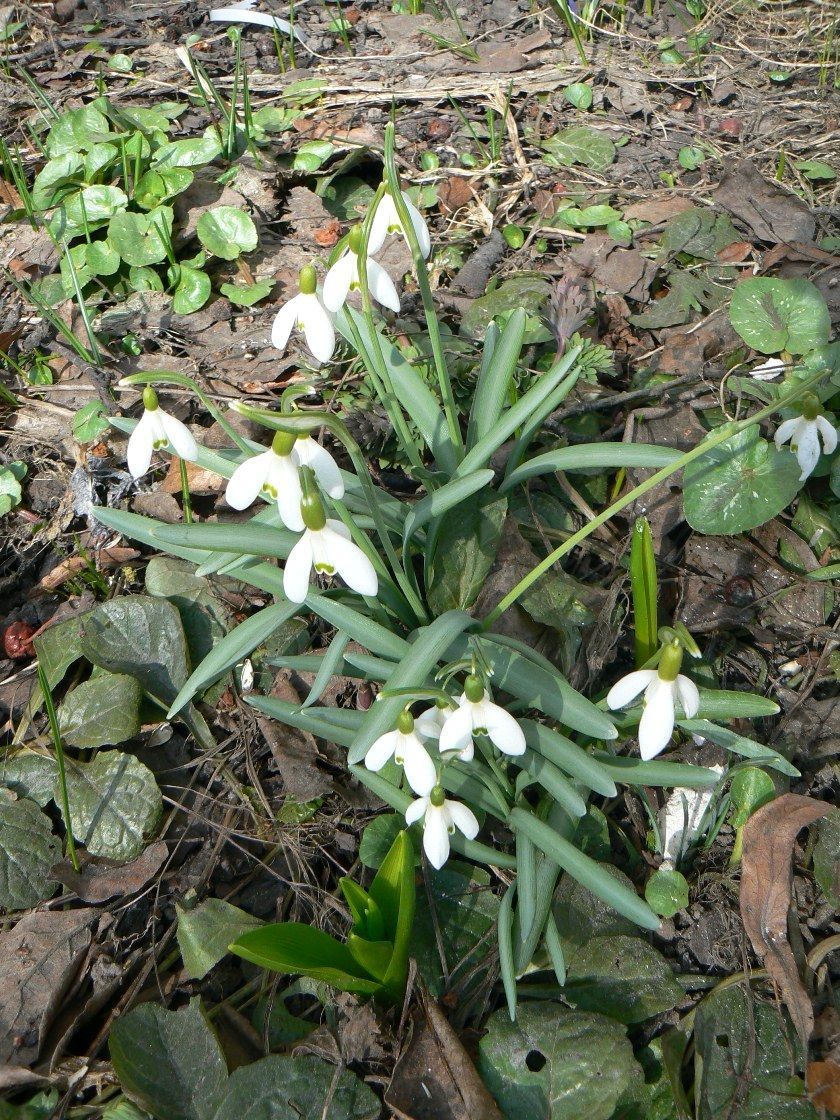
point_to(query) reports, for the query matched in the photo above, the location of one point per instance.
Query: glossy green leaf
(227, 232)
(294, 948)
(772, 314)
(592, 456)
(643, 583)
(738, 744)
(115, 804)
(205, 932)
(491, 391)
(28, 852)
(568, 756)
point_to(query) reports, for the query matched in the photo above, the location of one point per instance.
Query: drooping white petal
(807, 448)
(436, 835)
(457, 729)
(350, 562)
(141, 444)
(381, 750)
(429, 723)
(298, 569)
(309, 453)
(340, 528)
(786, 430)
(689, 696)
(338, 280)
(503, 730)
(285, 322)
(768, 370)
(657, 722)
(417, 809)
(382, 286)
(283, 479)
(421, 230)
(418, 766)
(247, 480)
(318, 327)
(629, 687)
(463, 818)
(180, 437)
(828, 433)
(384, 218)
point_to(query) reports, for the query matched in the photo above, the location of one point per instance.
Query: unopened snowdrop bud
(804, 433)
(343, 277)
(440, 818)
(155, 429)
(275, 473)
(326, 546)
(478, 715)
(662, 687)
(403, 744)
(306, 313)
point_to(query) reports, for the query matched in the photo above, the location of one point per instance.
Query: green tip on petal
(308, 280)
(150, 399)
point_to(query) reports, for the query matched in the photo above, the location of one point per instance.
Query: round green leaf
(666, 892)
(58, 173)
(101, 711)
(772, 315)
(283, 1088)
(122, 63)
(158, 186)
(751, 788)
(578, 94)
(691, 158)
(192, 292)
(102, 258)
(188, 153)
(580, 145)
(227, 231)
(28, 850)
(246, 295)
(115, 804)
(739, 484)
(144, 280)
(139, 238)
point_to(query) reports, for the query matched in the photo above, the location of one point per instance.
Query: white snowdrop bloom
(662, 688)
(476, 714)
(430, 723)
(403, 744)
(804, 433)
(343, 278)
(386, 220)
(768, 370)
(309, 453)
(326, 546)
(440, 818)
(276, 473)
(155, 429)
(306, 313)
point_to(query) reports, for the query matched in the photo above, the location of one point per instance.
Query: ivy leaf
(689, 292)
(28, 851)
(467, 543)
(188, 153)
(11, 477)
(739, 485)
(205, 932)
(115, 804)
(622, 977)
(227, 231)
(89, 422)
(578, 94)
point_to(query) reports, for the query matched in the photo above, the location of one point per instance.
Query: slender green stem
(721, 436)
(185, 493)
(59, 757)
(447, 397)
(169, 377)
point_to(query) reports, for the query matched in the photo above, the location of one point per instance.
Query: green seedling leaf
(115, 804)
(311, 155)
(121, 63)
(169, 1063)
(750, 789)
(666, 892)
(293, 948)
(226, 232)
(306, 1088)
(205, 932)
(739, 485)
(392, 890)
(816, 170)
(104, 710)
(622, 977)
(246, 295)
(772, 315)
(28, 852)
(589, 217)
(141, 239)
(11, 476)
(192, 290)
(553, 1062)
(620, 231)
(578, 94)
(514, 236)
(89, 422)
(580, 145)
(691, 158)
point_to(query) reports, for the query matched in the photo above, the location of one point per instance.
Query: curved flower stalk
(804, 433)
(662, 688)
(476, 714)
(325, 546)
(404, 746)
(440, 817)
(343, 278)
(387, 220)
(275, 473)
(155, 429)
(306, 313)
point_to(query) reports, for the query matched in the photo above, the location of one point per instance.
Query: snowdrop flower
(407, 750)
(306, 313)
(804, 433)
(343, 277)
(768, 370)
(326, 546)
(430, 723)
(478, 715)
(309, 453)
(275, 472)
(386, 220)
(155, 429)
(440, 818)
(662, 688)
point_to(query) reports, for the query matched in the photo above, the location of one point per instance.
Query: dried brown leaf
(824, 1085)
(101, 879)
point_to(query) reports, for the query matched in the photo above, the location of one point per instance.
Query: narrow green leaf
(439, 501)
(373, 957)
(526, 872)
(328, 668)
(592, 456)
(586, 870)
(637, 772)
(643, 584)
(546, 774)
(568, 756)
(554, 948)
(332, 724)
(739, 744)
(236, 539)
(506, 965)
(492, 388)
(720, 704)
(372, 635)
(296, 948)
